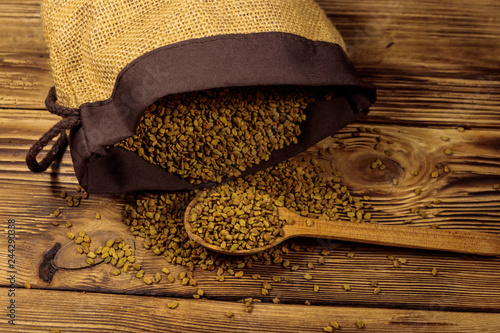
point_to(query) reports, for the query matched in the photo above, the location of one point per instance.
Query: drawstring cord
(71, 119)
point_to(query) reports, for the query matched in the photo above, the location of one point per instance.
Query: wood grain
(435, 64)
(89, 312)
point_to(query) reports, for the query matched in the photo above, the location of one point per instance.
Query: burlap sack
(112, 59)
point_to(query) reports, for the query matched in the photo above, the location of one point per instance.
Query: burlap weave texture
(91, 41)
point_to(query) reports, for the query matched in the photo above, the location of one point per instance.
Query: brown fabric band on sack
(270, 58)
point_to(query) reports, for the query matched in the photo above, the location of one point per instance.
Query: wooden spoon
(399, 236)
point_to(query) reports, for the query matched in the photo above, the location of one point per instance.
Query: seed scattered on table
(173, 305)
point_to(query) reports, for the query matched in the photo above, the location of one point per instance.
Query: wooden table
(436, 65)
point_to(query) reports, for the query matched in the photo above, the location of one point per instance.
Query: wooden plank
(25, 75)
(433, 62)
(89, 312)
(468, 202)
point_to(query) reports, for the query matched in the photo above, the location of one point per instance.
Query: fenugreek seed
(360, 324)
(309, 222)
(310, 265)
(307, 276)
(374, 283)
(116, 272)
(91, 255)
(27, 285)
(435, 174)
(334, 324)
(139, 274)
(147, 280)
(328, 329)
(170, 278)
(294, 267)
(173, 305)
(496, 186)
(346, 287)
(307, 303)
(276, 300)
(70, 235)
(238, 274)
(418, 190)
(229, 314)
(110, 243)
(63, 194)
(125, 267)
(396, 263)
(97, 216)
(448, 151)
(57, 212)
(55, 330)
(389, 152)
(266, 285)
(68, 224)
(165, 270)
(131, 259)
(350, 254)
(434, 271)
(395, 181)
(265, 292)
(403, 260)
(316, 288)
(460, 129)
(376, 291)
(185, 281)
(55, 223)
(445, 138)
(255, 276)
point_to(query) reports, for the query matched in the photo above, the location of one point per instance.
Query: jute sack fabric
(90, 42)
(112, 59)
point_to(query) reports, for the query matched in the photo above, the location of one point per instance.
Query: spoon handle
(399, 236)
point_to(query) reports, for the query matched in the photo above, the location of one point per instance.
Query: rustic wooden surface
(436, 66)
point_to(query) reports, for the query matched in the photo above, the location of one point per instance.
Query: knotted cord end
(71, 119)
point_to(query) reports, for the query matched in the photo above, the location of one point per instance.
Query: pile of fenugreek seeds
(245, 219)
(207, 136)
